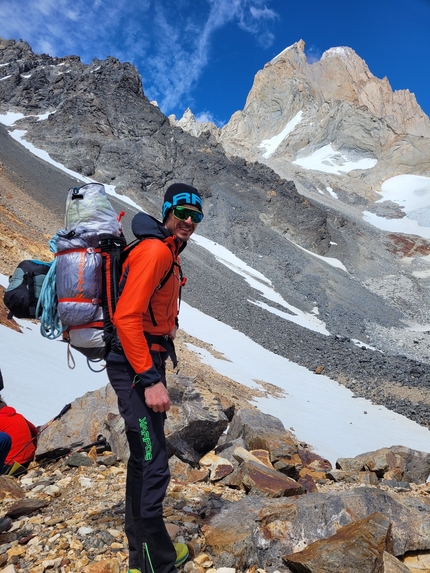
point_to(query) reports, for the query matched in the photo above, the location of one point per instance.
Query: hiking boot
(5, 524)
(181, 553)
(181, 556)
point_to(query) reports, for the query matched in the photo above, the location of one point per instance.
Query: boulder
(184, 473)
(397, 463)
(82, 424)
(217, 466)
(226, 448)
(25, 507)
(256, 478)
(10, 489)
(261, 530)
(193, 426)
(195, 420)
(359, 546)
(262, 431)
(242, 455)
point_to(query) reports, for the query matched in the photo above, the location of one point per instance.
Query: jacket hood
(7, 411)
(144, 226)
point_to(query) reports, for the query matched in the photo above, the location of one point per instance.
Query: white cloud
(170, 43)
(313, 54)
(206, 116)
(263, 13)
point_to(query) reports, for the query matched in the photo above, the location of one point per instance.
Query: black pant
(148, 474)
(5, 446)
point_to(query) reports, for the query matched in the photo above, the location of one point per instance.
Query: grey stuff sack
(78, 277)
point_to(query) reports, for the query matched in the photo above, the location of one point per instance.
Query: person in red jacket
(22, 433)
(146, 320)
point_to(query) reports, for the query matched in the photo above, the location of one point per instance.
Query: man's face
(182, 229)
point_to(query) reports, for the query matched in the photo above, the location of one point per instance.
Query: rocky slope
(259, 501)
(96, 120)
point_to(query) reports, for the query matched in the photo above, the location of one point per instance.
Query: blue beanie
(181, 194)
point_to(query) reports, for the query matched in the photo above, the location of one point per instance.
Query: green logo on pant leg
(146, 438)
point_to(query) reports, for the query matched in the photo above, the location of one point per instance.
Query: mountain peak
(339, 51)
(339, 103)
(297, 47)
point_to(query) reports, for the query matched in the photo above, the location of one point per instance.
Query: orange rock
(108, 566)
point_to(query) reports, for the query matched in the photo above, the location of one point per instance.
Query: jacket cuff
(149, 377)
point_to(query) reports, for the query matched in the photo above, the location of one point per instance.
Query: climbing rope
(51, 326)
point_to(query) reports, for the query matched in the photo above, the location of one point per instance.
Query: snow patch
(343, 51)
(10, 117)
(412, 194)
(329, 260)
(283, 52)
(262, 285)
(274, 142)
(328, 160)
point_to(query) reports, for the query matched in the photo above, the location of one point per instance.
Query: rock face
(96, 119)
(189, 124)
(335, 101)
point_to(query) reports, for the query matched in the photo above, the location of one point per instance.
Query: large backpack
(80, 292)
(22, 294)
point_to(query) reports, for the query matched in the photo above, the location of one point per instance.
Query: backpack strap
(164, 341)
(112, 249)
(29, 279)
(162, 283)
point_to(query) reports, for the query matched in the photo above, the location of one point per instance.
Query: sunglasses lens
(183, 213)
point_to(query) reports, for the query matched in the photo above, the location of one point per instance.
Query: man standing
(146, 320)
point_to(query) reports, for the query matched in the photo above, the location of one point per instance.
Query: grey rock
(117, 436)
(82, 425)
(195, 422)
(76, 459)
(193, 426)
(107, 460)
(359, 546)
(262, 431)
(287, 525)
(417, 464)
(407, 464)
(257, 479)
(226, 448)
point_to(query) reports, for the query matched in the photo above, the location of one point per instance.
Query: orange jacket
(145, 267)
(21, 432)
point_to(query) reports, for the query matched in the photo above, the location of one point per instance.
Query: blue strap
(51, 326)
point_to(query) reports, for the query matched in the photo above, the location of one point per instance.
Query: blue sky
(203, 54)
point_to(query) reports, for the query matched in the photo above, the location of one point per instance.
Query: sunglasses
(182, 213)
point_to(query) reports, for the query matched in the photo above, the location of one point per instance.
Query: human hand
(172, 334)
(157, 397)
